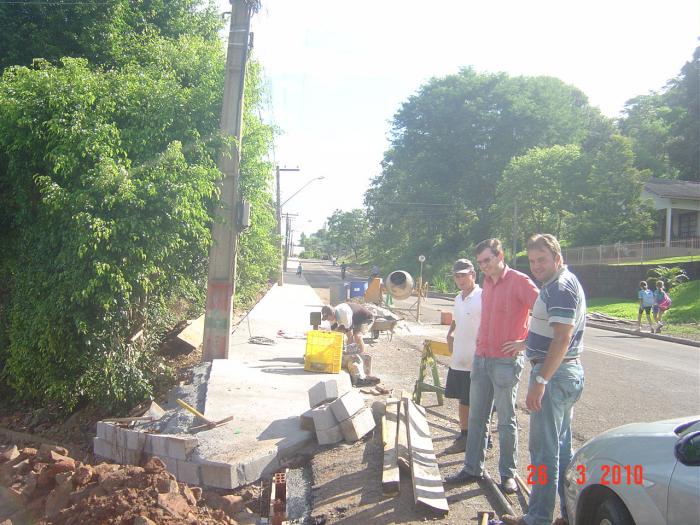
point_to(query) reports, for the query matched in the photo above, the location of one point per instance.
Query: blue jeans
(550, 439)
(493, 380)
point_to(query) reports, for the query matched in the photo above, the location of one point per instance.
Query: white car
(638, 474)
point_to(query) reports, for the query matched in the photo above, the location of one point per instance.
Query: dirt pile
(47, 486)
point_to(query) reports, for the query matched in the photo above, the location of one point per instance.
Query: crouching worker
(354, 320)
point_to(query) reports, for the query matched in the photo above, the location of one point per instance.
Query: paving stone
(135, 440)
(306, 421)
(358, 425)
(347, 405)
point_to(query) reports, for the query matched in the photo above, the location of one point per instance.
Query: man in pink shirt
(507, 298)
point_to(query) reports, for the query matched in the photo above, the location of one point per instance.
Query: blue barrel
(358, 288)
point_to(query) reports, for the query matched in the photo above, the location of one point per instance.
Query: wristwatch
(541, 380)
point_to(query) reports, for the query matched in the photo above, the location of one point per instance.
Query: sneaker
(459, 445)
(509, 485)
(461, 478)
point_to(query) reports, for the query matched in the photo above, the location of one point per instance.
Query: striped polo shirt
(561, 300)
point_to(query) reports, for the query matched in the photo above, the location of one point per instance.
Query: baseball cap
(326, 312)
(462, 266)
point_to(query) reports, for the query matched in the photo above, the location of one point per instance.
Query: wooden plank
(402, 436)
(390, 472)
(425, 473)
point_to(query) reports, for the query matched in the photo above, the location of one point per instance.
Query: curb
(602, 326)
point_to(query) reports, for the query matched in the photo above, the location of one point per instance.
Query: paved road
(628, 378)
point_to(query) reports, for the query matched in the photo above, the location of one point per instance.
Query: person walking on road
(646, 301)
(299, 269)
(343, 269)
(461, 339)
(554, 344)
(507, 297)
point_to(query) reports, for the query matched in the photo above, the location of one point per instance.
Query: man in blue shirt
(553, 346)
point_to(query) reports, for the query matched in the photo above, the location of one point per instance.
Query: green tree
(348, 231)
(540, 184)
(611, 209)
(450, 144)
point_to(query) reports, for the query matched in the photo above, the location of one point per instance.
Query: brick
(329, 435)
(323, 392)
(306, 421)
(323, 417)
(107, 432)
(135, 440)
(188, 472)
(358, 425)
(347, 405)
(180, 448)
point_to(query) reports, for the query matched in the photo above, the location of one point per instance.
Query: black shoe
(461, 478)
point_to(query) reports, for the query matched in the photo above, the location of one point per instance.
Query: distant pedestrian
(343, 269)
(646, 301)
(662, 302)
(461, 339)
(299, 269)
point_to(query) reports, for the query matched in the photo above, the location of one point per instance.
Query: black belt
(540, 361)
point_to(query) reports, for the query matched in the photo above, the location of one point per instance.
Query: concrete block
(135, 440)
(323, 417)
(170, 465)
(218, 475)
(104, 448)
(107, 432)
(323, 392)
(329, 435)
(306, 421)
(159, 445)
(188, 472)
(121, 437)
(180, 448)
(347, 405)
(128, 457)
(358, 425)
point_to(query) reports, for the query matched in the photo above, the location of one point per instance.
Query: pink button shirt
(505, 308)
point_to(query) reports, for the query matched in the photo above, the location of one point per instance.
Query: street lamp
(283, 260)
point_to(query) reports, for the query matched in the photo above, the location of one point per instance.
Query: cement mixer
(399, 284)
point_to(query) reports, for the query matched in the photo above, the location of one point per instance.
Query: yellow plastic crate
(324, 351)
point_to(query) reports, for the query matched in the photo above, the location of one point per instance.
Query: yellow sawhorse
(431, 348)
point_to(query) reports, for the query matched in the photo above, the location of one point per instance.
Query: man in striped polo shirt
(554, 344)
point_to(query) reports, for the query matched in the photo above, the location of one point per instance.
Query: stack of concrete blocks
(129, 446)
(335, 417)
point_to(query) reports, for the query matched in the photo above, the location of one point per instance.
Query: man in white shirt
(461, 339)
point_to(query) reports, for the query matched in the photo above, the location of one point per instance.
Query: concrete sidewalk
(264, 387)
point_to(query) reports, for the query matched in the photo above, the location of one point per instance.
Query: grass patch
(665, 260)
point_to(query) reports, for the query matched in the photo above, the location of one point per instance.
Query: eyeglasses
(484, 261)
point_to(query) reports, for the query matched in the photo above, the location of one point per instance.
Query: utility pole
(222, 256)
(283, 265)
(287, 238)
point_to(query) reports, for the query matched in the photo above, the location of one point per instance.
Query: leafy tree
(450, 145)
(107, 186)
(540, 183)
(611, 209)
(102, 32)
(348, 231)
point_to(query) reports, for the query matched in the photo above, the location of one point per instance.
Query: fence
(636, 252)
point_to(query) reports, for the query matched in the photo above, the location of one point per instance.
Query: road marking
(612, 354)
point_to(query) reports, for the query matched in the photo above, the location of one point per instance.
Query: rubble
(48, 487)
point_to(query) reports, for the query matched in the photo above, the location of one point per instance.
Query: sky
(336, 72)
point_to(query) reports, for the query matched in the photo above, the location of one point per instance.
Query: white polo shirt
(467, 316)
